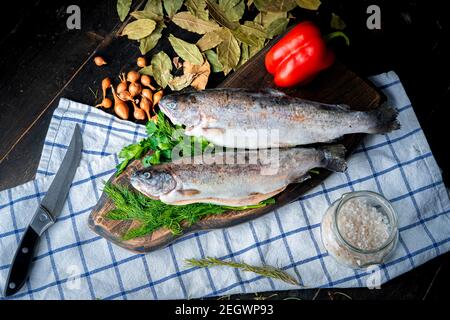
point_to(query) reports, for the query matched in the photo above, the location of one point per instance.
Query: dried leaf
(187, 51)
(275, 5)
(191, 23)
(254, 28)
(209, 40)
(309, 4)
(277, 27)
(161, 68)
(172, 6)
(143, 14)
(219, 15)
(181, 82)
(255, 49)
(266, 18)
(148, 70)
(213, 59)
(198, 8)
(233, 9)
(245, 54)
(148, 43)
(123, 7)
(154, 6)
(177, 63)
(337, 22)
(139, 29)
(228, 51)
(200, 74)
(250, 33)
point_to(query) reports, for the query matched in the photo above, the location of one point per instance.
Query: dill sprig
(265, 271)
(155, 214)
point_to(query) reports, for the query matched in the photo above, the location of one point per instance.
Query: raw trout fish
(258, 175)
(241, 118)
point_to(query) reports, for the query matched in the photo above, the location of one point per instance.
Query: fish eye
(147, 175)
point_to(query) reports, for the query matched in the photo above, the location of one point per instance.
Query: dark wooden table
(42, 61)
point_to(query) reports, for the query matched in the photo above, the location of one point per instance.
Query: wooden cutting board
(337, 85)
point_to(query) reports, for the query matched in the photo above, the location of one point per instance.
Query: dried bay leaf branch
(209, 40)
(123, 7)
(161, 68)
(148, 43)
(187, 51)
(139, 29)
(228, 51)
(197, 8)
(191, 23)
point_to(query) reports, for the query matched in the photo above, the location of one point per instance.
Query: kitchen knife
(47, 212)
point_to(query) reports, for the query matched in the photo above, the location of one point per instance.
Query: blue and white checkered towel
(74, 263)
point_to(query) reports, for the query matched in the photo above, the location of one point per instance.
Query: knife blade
(45, 216)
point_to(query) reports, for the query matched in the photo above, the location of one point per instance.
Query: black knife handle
(21, 265)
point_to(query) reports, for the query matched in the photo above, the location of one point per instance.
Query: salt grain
(363, 225)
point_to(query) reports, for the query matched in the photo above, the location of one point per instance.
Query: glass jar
(340, 245)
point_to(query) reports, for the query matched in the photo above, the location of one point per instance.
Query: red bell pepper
(299, 56)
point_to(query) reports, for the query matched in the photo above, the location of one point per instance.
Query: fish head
(181, 108)
(153, 182)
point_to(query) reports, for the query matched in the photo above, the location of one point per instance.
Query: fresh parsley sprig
(162, 137)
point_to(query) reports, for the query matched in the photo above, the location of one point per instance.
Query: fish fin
(189, 192)
(334, 157)
(274, 92)
(334, 107)
(344, 107)
(385, 118)
(302, 178)
(213, 131)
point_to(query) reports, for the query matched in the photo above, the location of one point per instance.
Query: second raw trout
(234, 178)
(241, 118)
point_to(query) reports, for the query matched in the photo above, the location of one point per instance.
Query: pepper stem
(337, 34)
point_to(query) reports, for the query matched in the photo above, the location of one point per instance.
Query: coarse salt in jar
(360, 229)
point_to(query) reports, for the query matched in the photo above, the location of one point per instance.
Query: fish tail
(334, 157)
(385, 118)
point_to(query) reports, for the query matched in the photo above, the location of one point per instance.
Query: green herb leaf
(148, 43)
(197, 8)
(123, 7)
(151, 128)
(187, 51)
(161, 68)
(139, 29)
(228, 51)
(172, 6)
(216, 66)
(233, 9)
(191, 23)
(131, 152)
(209, 40)
(275, 5)
(309, 4)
